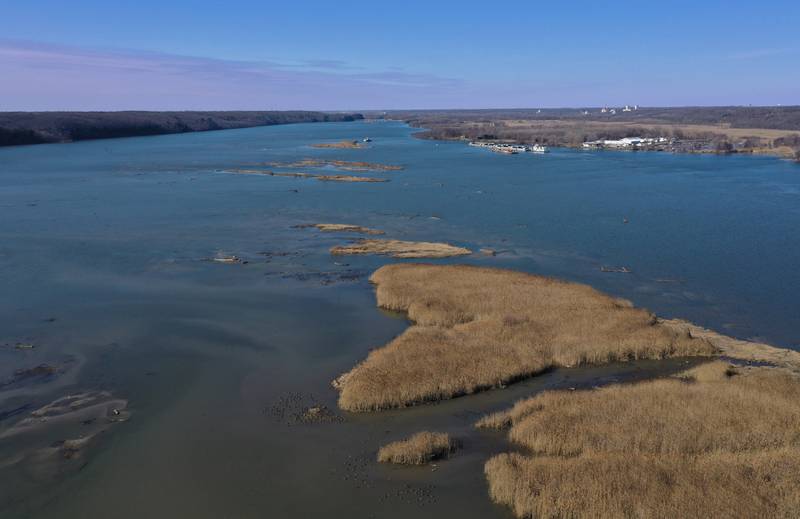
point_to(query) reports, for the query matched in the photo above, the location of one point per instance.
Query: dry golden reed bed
(401, 249)
(421, 448)
(341, 144)
(340, 227)
(707, 445)
(477, 328)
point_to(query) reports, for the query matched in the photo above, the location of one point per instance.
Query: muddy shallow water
(108, 287)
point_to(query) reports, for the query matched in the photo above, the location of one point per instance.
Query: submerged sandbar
(401, 249)
(344, 165)
(340, 144)
(322, 178)
(340, 227)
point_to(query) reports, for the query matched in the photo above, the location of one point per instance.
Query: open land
(759, 130)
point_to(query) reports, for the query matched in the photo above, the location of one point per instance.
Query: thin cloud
(760, 53)
(39, 76)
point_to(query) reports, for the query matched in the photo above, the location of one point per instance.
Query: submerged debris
(62, 430)
(339, 227)
(327, 277)
(39, 373)
(299, 408)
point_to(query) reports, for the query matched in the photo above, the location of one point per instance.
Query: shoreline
(785, 152)
(30, 128)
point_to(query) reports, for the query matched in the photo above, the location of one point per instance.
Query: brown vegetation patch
(421, 448)
(341, 144)
(348, 178)
(338, 164)
(323, 178)
(478, 328)
(340, 227)
(709, 443)
(401, 249)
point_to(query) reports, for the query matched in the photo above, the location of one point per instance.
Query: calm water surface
(104, 268)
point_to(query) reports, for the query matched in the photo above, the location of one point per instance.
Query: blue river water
(105, 271)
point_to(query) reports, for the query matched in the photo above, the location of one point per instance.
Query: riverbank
(683, 130)
(20, 128)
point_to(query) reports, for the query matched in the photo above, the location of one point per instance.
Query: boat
(539, 148)
(367, 139)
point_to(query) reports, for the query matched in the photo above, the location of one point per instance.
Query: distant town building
(626, 143)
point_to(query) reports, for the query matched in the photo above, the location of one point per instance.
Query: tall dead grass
(704, 445)
(401, 249)
(477, 328)
(421, 448)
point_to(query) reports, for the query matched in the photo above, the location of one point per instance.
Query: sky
(343, 55)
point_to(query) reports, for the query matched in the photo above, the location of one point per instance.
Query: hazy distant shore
(20, 128)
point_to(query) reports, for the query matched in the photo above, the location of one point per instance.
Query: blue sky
(341, 55)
